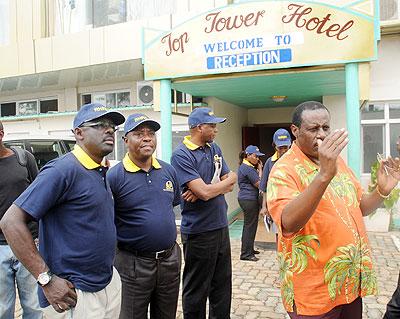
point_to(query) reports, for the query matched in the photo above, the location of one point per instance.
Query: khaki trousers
(104, 304)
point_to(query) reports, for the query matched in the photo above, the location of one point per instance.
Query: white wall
(270, 115)
(230, 138)
(385, 79)
(336, 105)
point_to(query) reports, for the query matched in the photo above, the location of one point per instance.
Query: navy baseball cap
(93, 111)
(252, 149)
(282, 138)
(134, 120)
(203, 115)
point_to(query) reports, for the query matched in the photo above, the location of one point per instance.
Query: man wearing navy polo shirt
(73, 204)
(202, 170)
(145, 192)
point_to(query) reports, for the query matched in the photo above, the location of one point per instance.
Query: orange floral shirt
(327, 263)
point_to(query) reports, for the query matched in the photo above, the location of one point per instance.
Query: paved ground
(256, 296)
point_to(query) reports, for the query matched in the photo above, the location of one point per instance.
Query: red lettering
(175, 44)
(321, 26)
(218, 24)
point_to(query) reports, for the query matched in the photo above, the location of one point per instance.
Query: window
(74, 16)
(380, 124)
(109, 99)
(107, 12)
(4, 22)
(389, 10)
(47, 106)
(27, 108)
(8, 109)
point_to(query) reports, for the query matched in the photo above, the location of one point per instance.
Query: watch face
(44, 278)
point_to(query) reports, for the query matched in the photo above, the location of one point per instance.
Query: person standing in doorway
(249, 174)
(16, 175)
(201, 169)
(77, 237)
(145, 192)
(281, 142)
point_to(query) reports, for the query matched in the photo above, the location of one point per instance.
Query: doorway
(261, 135)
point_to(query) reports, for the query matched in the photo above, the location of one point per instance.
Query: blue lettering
(248, 59)
(287, 39)
(259, 42)
(209, 47)
(278, 39)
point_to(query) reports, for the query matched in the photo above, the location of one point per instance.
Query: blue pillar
(353, 118)
(166, 120)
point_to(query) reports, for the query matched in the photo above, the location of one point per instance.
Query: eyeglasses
(101, 125)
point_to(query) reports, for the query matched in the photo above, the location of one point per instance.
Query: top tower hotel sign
(264, 35)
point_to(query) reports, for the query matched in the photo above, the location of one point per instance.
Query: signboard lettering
(266, 34)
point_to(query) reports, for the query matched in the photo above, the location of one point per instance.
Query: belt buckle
(159, 253)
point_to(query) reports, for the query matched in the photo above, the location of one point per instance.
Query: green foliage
(394, 194)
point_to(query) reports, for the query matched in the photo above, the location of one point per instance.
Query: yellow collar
(133, 168)
(84, 158)
(190, 145)
(246, 162)
(274, 157)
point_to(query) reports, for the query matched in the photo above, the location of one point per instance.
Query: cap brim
(283, 144)
(114, 116)
(259, 154)
(216, 120)
(153, 124)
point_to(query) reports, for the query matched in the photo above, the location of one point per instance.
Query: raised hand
(388, 174)
(329, 150)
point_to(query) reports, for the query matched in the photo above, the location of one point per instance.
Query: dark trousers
(207, 273)
(348, 311)
(149, 281)
(393, 307)
(251, 210)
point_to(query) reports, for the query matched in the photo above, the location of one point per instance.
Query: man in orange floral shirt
(318, 205)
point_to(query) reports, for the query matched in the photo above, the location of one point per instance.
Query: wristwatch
(44, 278)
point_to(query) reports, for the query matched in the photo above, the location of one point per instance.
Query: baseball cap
(252, 149)
(203, 115)
(93, 111)
(134, 120)
(282, 137)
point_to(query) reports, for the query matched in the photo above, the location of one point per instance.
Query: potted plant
(380, 219)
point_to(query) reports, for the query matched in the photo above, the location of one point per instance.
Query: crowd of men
(107, 237)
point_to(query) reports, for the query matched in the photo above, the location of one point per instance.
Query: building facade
(59, 54)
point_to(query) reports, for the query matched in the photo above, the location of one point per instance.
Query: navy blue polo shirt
(144, 203)
(247, 177)
(267, 169)
(75, 209)
(192, 162)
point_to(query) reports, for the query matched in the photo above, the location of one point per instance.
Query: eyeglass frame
(102, 124)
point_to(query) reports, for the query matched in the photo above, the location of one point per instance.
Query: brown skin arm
(298, 212)
(14, 227)
(264, 208)
(208, 191)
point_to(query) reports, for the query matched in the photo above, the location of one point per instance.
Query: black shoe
(251, 258)
(256, 252)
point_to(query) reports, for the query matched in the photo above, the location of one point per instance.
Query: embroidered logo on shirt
(169, 187)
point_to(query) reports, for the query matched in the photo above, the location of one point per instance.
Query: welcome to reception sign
(264, 35)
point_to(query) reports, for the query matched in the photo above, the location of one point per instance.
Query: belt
(154, 255)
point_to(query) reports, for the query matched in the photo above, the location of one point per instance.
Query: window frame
(386, 122)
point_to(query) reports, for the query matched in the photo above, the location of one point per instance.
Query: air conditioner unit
(390, 10)
(145, 94)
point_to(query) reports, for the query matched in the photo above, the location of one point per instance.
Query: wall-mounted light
(278, 98)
